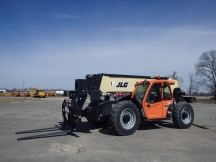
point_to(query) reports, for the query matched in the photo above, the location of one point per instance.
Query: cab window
(167, 92)
(140, 92)
(154, 93)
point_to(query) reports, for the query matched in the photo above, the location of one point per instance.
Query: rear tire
(183, 115)
(125, 118)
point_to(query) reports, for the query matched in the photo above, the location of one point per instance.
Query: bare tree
(206, 69)
(193, 87)
(174, 76)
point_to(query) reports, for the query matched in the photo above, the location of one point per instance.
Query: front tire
(125, 118)
(183, 115)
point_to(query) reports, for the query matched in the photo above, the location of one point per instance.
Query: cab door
(152, 103)
(167, 98)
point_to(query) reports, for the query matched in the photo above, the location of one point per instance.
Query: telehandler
(17, 93)
(27, 93)
(151, 99)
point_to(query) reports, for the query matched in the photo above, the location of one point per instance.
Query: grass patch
(4, 100)
(206, 100)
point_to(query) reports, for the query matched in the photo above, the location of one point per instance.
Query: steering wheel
(151, 98)
(141, 95)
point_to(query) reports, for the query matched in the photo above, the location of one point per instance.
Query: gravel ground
(153, 143)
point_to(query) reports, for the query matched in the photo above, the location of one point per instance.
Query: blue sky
(50, 43)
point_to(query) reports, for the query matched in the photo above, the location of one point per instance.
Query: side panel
(118, 84)
(122, 84)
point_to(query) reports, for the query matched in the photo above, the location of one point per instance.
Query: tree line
(205, 74)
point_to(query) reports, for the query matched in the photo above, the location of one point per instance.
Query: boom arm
(118, 83)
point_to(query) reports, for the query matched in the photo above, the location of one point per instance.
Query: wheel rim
(127, 118)
(186, 115)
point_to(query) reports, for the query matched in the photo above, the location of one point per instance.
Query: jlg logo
(122, 85)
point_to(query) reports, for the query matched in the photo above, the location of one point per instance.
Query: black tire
(183, 115)
(98, 124)
(125, 118)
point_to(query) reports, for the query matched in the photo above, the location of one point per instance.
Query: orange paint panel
(153, 111)
(165, 106)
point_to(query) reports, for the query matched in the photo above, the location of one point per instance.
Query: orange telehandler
(152, 99)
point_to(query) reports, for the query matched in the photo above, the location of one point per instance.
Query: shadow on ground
(144, 125)
(85, 127)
